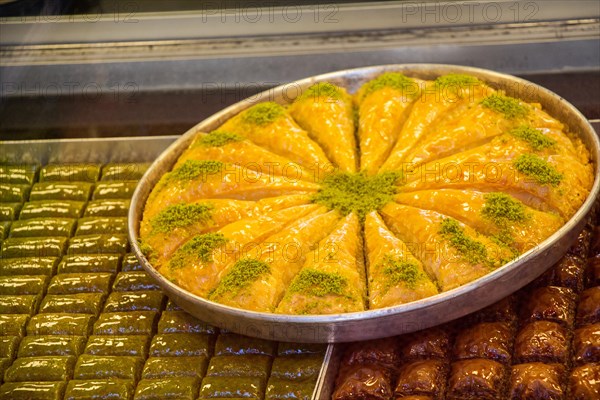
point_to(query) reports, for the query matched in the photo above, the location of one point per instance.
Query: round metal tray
(393, 320)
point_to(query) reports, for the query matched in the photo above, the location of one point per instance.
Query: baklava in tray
(541, 343)
(268, 212)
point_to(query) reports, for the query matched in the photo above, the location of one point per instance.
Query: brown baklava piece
(384, 352)
(490, 340)
(542, 341)
(588, 310)
(363, 382)
(476, 379)
(537, 381)
(550, 303)
(586, 344)
(423, 377)
(584, 382)
(431, 343)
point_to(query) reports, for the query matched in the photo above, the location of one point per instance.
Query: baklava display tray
(80, 319)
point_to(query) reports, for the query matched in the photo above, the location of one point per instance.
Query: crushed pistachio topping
(538, 169)
(509, 106)
(322, 89)
(263, 113)
(218, 139)
(198, 248)
(394, 80)
(501, 209)
(192, 169)
(181, 215)
(242, 274)
(398, 271)
(318, 283)
(470, 249)
(456, 81)
(504, 238)
(536, 139)
(356, 192)
(504, 211)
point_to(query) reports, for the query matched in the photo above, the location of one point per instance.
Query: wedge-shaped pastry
(494, 214)
(326, 112)
(246, 235)
(554, 144)
(395, 276)
(271, 126)
(384, 104)
(556, 182)
(194, 180)
(332, 278)
(470, 127)
(440, 100)
(531, 115)
(258, 283)
(235, 149)
(176, 224)
(490, 117)
(561, 171)
(269, 204)
(199, 264)
(450, 251)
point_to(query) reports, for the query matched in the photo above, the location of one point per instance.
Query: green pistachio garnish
(538, 169)
(356, 192)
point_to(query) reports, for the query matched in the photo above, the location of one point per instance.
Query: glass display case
(92, 92)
